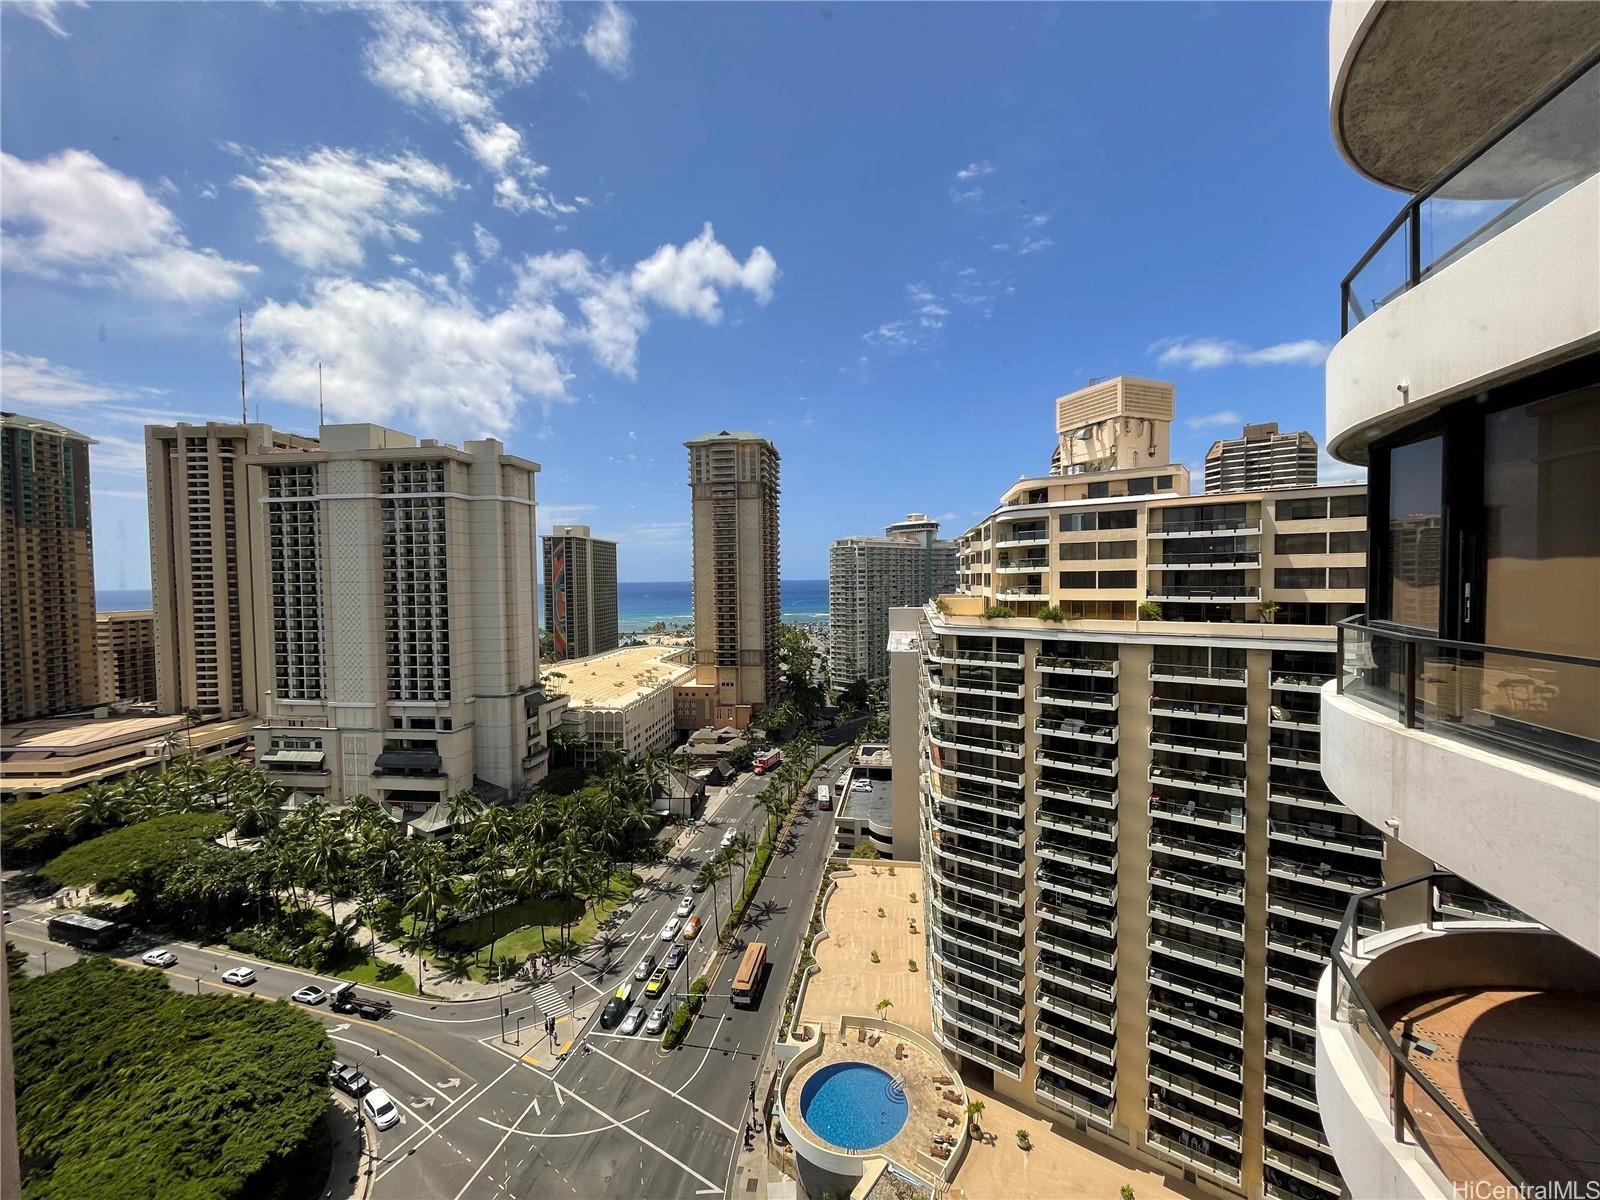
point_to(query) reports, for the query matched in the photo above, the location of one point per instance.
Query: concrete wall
(1525, 834)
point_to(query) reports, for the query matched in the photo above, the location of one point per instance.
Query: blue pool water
(853, 1105)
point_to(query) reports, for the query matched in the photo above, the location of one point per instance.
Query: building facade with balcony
(47, 630)
(1261, 457)
(126, 645)
(734, 490)
(867, 576)
(1134, 868)
(580, 592)
(1459, 1048)
(400, 639)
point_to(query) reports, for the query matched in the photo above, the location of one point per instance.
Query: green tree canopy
(139, 856)
(126, 1088)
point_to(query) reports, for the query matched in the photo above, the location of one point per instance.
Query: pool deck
(847, 980)
(916, 1070)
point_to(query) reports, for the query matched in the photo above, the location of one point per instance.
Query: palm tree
(327, 857)
(571, 861)
(97, 807)
(883, 1004)
(654, 771)
(492, 830)
(706, 879)
(463, 808)
(742, 845)
(775, 805)
(725, 857)
(481, 894)
(191, 718)
(415, 941)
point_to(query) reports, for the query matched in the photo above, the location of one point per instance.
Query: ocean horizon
(639, 605)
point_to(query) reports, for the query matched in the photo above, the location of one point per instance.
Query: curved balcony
(1443, 741)
(1413, 87)
(1504, 244)
(996, 921)
(962, 742)
(1073, 794)
(1190, 952)
(976, 774)
(968, 714)
(981, 658)
(1449, 1054)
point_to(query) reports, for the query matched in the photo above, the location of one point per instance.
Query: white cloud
(609, 39)
(420, 352)
(47, 12)
(486, 244)
(29, 381)
(1212, 420)
(686, 280)
(319, 210)
(71, 217)
(562, 514)
(1331, 470)
(455, 61)
(1033, 245)
(1204, 353)
(975, 170)
(659, 534)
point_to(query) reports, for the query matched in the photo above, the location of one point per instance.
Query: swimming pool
(853, 1105)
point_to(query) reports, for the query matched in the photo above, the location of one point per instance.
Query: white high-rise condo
(1134, 868)
(396, 596)
(1458, 1050)
(867, 576)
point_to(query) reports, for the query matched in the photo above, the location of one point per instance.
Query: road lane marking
(396, 1062)
(455, 1111)
(681, 1099)
(679, 1163)
(490, 1156)
(528, 1133)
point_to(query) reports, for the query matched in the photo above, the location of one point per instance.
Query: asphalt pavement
(487, 1112)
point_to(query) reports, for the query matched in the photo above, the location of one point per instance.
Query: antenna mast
(244, 410)
(319, 394)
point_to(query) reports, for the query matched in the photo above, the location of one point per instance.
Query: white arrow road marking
(339, 1028)
(392, 1155)
(425, 1102)
(491, 1155)
(452, 1082)
(389, 1058)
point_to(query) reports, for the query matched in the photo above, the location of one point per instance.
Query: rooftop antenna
(244, 411)
(319, 394)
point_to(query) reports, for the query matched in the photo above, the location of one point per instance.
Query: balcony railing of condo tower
(1543, 151)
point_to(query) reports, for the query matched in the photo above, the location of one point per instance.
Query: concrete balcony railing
(1509, 1001)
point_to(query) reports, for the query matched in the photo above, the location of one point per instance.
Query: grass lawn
(374, 972)
(534, 926)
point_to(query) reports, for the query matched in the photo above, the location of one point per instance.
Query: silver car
(631, 1022)
(657, 1020)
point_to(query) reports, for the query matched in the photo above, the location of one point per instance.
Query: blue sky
(884, 236)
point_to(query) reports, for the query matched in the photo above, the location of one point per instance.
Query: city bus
(751, 975)
(86, 933)
(824, 798)
(768, 761)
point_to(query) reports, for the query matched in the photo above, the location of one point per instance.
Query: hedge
(125, 1087)
(678, 1027)
(136, 857)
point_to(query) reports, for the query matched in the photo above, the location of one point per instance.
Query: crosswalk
(552, 1001)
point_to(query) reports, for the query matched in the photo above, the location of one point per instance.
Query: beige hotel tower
(733, 482)
(1111, 734)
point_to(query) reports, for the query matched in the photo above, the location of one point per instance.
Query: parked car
(685, 906)
(691, 929)
(349, 1080)
(159, 958)
(634, 1019)
(239, 976)
(657, 1020)
(675, 957)
(380, 1109)
(646, 965)
(310, 994)
(670, 929)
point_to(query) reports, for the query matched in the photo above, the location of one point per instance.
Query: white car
(727, 838)
(159, 958)
(310, 994)
(657, 1020)
(380, 1109)
(239, 976)
(631, 1022)
(670, 929)
(685, 906)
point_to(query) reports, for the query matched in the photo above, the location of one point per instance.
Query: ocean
(639, 605)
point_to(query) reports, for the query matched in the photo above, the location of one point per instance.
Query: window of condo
(1077, 579)
(1348, 506)
(1077, 551)
(1299, 577)
(1098, 491)
(1306, 508)
(1415, 534)
(1119, 550)
(1347, 577)
(1076, 522)
(1119, 579)
(1351, 542)
(1300, 543)
(1122, 518)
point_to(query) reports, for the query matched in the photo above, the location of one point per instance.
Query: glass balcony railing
(1537, 706)
(1550, 149)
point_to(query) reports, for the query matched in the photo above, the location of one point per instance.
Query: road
(623, 1118)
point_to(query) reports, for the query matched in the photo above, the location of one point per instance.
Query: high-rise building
(399, 656)
(1458, 1051)
(1260, 458)
(126, 645)
(1133, 865)
(867, 576)
(47, 639)
(733, 482)
(580, 592)
(202, 584)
